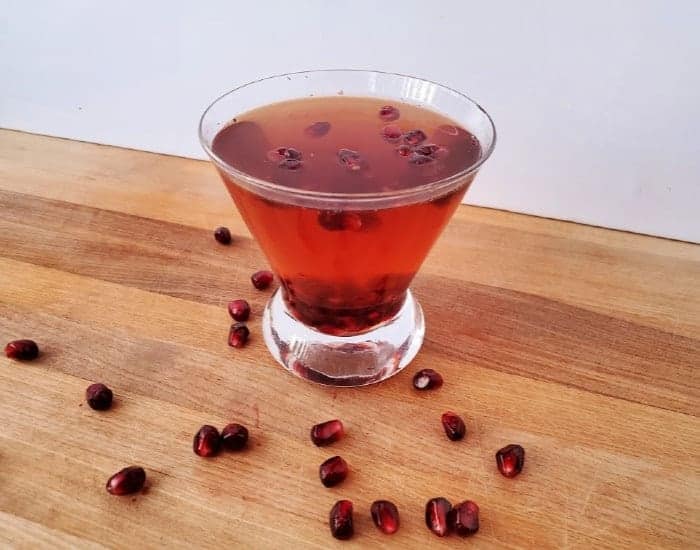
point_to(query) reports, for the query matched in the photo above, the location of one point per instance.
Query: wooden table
(582, 344)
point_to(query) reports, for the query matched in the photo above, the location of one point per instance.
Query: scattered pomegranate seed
(437, 511)
(340, 520)
(333, 471)
(318, 129)
(22, 350)
(127, 481)
(464, 518)
(239, 310)
(262, 279)
(350, 159)
(207, 441)
(238, 335)
(510, 460)
(222, 235)
(234, 437)
(284, 153)
(427, 379)
(326, 433)
(427, 149)
(340, 220)
(391, 133)
(99, 397)
(419, 159)
(454, 426)
(389, 113)
(414, 137)
(403, 150)
(385, 516)
(290, 164)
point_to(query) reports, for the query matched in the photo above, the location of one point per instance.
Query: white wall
(597, 103)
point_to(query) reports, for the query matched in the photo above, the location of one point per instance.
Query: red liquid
(344, 267)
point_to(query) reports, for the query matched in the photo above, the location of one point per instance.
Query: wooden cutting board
(582, 344)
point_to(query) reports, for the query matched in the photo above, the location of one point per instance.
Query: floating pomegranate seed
(389, 113)
(238, 335)
(318, 129)
(340, 220)
(427, 379)
(262, 279)
(419, 159)
(414, 137)
(99, 397)
(448, 129)
(340, 520)
(207, 441)
(350, 159)
(437, 511)
(427, 149)
(391, 133)
(464, 518)
(222, 235)
(284, 153)
(326, 433)
(454, 426)
(403, 150)
(385, 516)
(239, 310)
(510, 460)
(333, 471)
(23, 350)
(234, 437)
(290, 164)
(127, 481)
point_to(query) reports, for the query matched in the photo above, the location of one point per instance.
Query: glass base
(355, 360)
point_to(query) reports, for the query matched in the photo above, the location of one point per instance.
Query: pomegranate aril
(239, 310)
(414, 137)
(340, 520)
(403, 150)
(127, 481)
(427, 379)
(262, 279)
(389, 113)
(284, 153)
(99, 397)
(385, 516)
(318, 129)
(23, 350)
(333, 471)
(391, 133)
(428, 149)
(340, 220)
(510, 460)
(238, 335)
(290, 164)
(207, 441)
(454, 426)
(234, 437)
(350, 159)
(464, 518)
(437, 512)
(326, 433)
(222, 235)
(419, 159)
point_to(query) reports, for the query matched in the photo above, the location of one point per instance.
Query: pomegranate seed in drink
(510, 460)
(454, 426)
(234, 437)
(280, 154)
(340, 520)
(333, 471)
(403, 150)
(262, 279)
(99, 397)
(207, 441)
(318, 129)
(464, 518)
(418, 159)
(238, 335)
(350, 159)
(389, 113)
(414, 137)
(22, 350)
(427, 379)
(326, 433)
(392, 133)
(340, 220)
(127, 481)
(437, 511)
(239, 310)
(385, 516)
(222, 235)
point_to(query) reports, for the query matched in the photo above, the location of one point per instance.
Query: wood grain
(580, 343)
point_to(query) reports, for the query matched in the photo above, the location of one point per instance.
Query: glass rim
(433, 187)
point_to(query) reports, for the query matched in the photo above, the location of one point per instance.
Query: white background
(597, 103)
